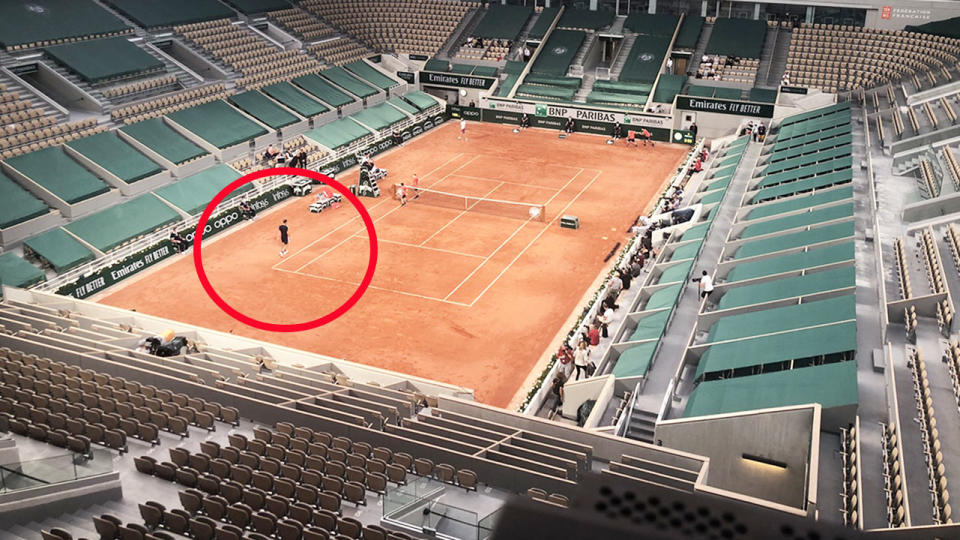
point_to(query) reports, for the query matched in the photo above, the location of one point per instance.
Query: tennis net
(455, 201)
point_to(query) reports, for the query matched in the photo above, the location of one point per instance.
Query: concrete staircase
(79, 523)
(621, 59)
(701, 47)
(584, 49)
(28, 95)
(766, 56)
(460, 34)
(642, 425)
(778, 64)
(617, 26)
(75, 79)
(585, 87)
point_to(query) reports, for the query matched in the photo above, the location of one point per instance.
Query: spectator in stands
(636, 264)
(761, 132)
(693, 129)
(397, 139)
(670, 66)
(605, 318)
(705, 284)
(785, 80)
(565, 358)
(247, 211)
(179, 244)
(593, 334)
(697, 165)
(615, 286)
(524, 121)
(302, 158)
(283, 158)
(626, 278)
(556, 388)
(568, 127)
(270, 153)
(526, 54)
(610, 302)
(581, 357)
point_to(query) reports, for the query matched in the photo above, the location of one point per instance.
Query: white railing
(623, 424)
(158, 235)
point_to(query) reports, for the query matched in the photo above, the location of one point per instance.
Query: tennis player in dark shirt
(284, 238)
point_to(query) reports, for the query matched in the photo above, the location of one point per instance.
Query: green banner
(725, 106)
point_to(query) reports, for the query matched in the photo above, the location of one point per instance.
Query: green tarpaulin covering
(502, 21)
(586, 18)
(371, 74)
(553, 93)
(843, 176)
(668, 87)
(689, 32)
(379, 117)
(263, 109)
(808, 159)
(151, 14)
(686, 251)
(661, 24)
(769, 321)
(697, 232)
(797, 239)
(546, 18)
(341, 78)
(677, 272)
(46, 20)
(650, 326)
(737, 37)
(558, 52)
(763, 95)
(103, 59)
(16, 272)
(788, 287)
(17, 204)
(665, 297)
(338, 133)
(118, 224)
(61, 250)
(323, 90)
(422, 100)
(830, 385)
(837, 137)
(112, 153)
(162, 139)
(792, 261)
(218, 123)
(801, 201)
(195, 192)
(793, 119)
(403, 105)
(764, 350)
(805, 219)
(59, 174)
(645, 59)
(294, 99)
(635, 361)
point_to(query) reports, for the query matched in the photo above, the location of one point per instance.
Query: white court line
(385, 289)
(392, 210)
(381, 240)
(429, 238)
(274, 267)
(515, 232)
(535, 238)
(506, 182)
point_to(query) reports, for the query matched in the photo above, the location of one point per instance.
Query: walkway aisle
(674, 342)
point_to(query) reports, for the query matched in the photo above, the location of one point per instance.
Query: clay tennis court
(472, 298)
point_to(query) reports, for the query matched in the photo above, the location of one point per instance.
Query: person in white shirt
(581, 357)
(706, 284)
(463, 129)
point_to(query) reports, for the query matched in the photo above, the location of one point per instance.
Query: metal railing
(623, 424)
(51, 470)
(144, 242)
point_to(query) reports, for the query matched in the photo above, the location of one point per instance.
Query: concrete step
(622, 55)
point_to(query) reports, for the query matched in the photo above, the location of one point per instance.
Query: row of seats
(952, 165)
(903, 272)
(540, 495)
(255, 59)
(851, 466)
(931, 439)
(914, 121)
(161, 106)
(722, 68)
(306, 26)
(911, 323)
(927, 253)
(892, 476)
(138, 87)
(953, 240)
(404, 26)
(60, 41)
(314, 154)
(52, 135)
(339, 51)
(948, 109)
(846, 59)
(112, 528)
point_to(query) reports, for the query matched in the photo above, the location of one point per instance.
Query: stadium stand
(343, 79)
(118, 158)
(340, 50)
(371, 75)
(263, 109)
(295, 100)
(737, 37)
(193, 193)
(140, 87)
(544, 21)
(403, 26)
(172, 12)
(104, 60)
(323, 90)
(57, 249)
(253, 7)
(218, 124)
(585, 20)
(831, 57)
(17, 204)
(138, 217)
(301, 24)
(159, 137)
(153, 108)
(338, 134)
(689, 33)
(16, 272)
(494, 35)
(52, 22)
(558, 52)
(259, 62)
(55, 171)
(379, 117)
